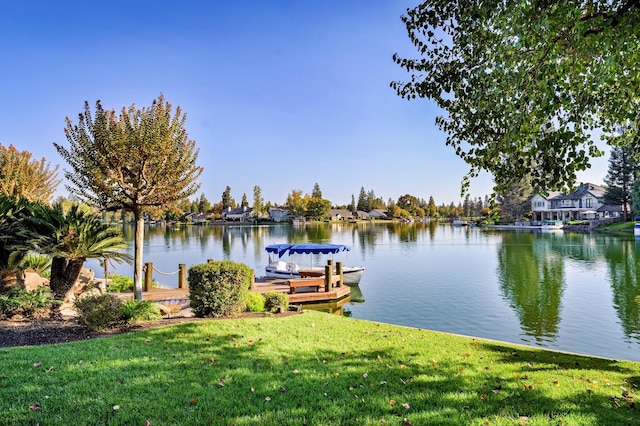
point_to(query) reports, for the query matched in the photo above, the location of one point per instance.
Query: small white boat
(281, 269)
(551, 225)
(460, 222)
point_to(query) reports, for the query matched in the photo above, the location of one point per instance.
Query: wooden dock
(295, 289)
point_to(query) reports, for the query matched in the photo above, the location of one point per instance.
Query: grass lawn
(309, 369)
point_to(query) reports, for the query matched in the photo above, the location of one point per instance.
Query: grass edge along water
(313, 368)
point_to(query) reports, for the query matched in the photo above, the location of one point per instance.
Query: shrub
(119, 283)
(39, 263)
(217, 289)
(8, 306)
(254, 301)
(99, 311)
(140, 310)
(19, 301)
(276, 302)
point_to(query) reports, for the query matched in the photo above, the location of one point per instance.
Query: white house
(587, 202)
(278, 214)
(240, 214)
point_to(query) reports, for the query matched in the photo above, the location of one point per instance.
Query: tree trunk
(64, 273)
(137, 257)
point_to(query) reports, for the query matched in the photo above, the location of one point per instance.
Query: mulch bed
(41, 331)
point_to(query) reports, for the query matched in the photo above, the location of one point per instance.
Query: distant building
(199, 217)
(278, 214)
(361, 214)
(240, 214)
(378, 214)
(340, 214)
(587, 202)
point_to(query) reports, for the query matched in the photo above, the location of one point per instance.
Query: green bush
(119, 283)
(99, 311)
(217, 289)
(19, 301)
(134, 311)
(254, 301)
(39, 263)
(276, 302)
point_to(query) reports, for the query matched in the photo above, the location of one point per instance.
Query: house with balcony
(585, 203)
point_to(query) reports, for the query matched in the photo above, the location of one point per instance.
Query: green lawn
(313, 369)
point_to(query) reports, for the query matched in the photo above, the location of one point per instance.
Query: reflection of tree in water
(532, 279)
(433, 224)
(367, 236)
(622, 258)
(407, 232)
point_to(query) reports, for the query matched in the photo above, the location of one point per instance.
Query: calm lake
(565, 291)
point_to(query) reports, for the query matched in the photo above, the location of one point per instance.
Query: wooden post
(182, 276)
(253, 279)
(148, 276)
(340, 273)
(327, 278)
(330, 263)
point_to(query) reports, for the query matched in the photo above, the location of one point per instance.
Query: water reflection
(554, 289)
(531, 278)
(622, 259)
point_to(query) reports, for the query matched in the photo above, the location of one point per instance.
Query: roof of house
(584, 189)
(341, 212)
(238, 210)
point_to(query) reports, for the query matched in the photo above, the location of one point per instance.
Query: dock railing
(148, 275)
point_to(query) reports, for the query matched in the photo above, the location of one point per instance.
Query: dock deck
(294, 288)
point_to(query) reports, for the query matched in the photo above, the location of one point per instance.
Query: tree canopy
(525, 84)
(138, 161)
(25, 177)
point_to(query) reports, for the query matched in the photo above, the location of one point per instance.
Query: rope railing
(165, 273)
(148, 275)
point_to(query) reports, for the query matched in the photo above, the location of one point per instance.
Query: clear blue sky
(281, 94)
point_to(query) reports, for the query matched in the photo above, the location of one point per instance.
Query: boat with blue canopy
(278, 268)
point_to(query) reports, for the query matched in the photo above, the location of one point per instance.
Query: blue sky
(281, 94)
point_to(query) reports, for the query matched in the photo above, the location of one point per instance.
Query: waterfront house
(240, 214)
(278, 214)
(378, 214)
(340, 214)
(585, 203)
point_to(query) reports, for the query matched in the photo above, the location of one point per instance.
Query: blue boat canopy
(306, 248)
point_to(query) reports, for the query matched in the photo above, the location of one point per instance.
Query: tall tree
(316, 193)
(318, 208)
(227, 201)
(515, 201)
(353, 206)
(620, 178)
(523, 84)
(204, 205)
(258, 201)
(432, 210)
(139, 160)
(362, 199)
(296, 203)
(22, 176)
(244, 202)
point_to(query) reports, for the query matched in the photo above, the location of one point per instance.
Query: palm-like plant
(13, 210)
(71, 238)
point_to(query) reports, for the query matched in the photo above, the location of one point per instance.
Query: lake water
(565, 291)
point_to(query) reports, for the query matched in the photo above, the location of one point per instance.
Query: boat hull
(351, 274)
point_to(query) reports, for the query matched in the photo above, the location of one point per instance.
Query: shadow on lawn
(192, 374)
